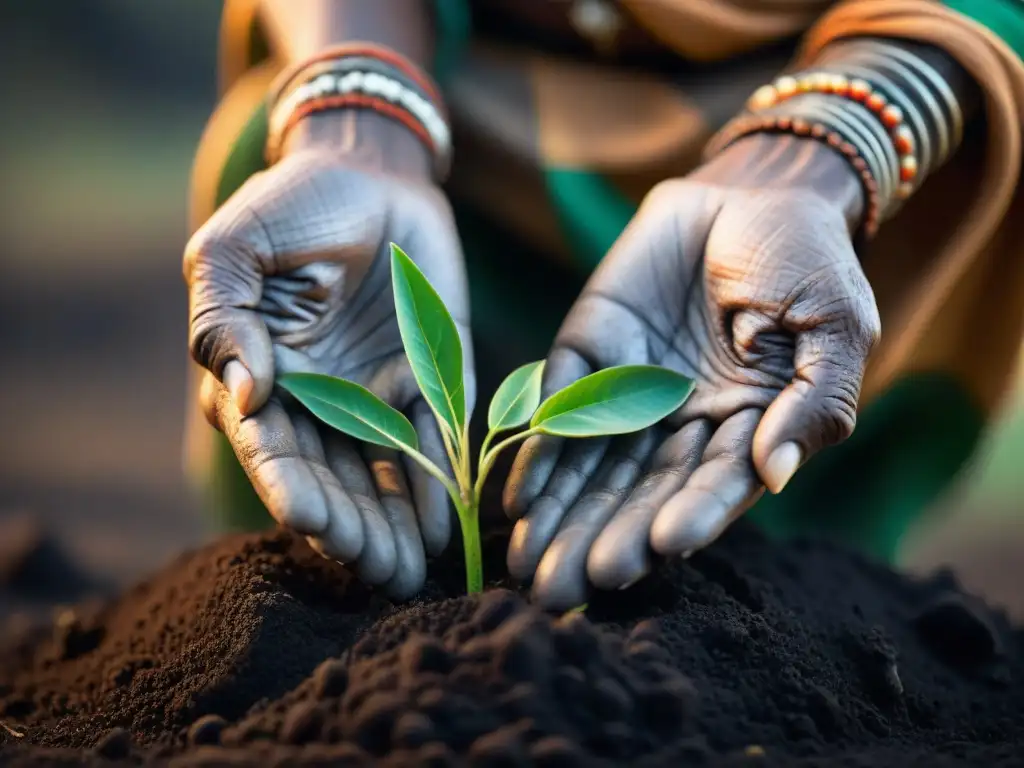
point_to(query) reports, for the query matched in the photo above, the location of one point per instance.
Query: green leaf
(430, 339)
(352, 409)
(613, 401)
(517, 398)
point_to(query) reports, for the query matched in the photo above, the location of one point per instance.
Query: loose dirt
(255, 650)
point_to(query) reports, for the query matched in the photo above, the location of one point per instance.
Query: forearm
(299, 29)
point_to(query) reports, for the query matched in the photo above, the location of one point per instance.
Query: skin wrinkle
(758, 310)
(323, 223)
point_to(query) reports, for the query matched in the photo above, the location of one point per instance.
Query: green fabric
(453, 22)
(869, 491)
(591, 212)
(1005, 18)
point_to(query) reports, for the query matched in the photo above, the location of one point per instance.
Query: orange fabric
(950, 267)
(706, 30)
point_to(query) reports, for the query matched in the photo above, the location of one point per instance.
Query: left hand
(743, 277)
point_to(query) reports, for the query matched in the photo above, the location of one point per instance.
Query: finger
(539, 455)
(561, 580)
(534, 532)
(343, 538)
(267, 448)
(621, 555)
(395, 384)
(818, 408)
(376, 563)
(719, 490)
(393, 491)
(429, 496)
(225, 285)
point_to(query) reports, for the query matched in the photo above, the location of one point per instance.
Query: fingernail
(239, 383)
(633, 581)
(781, 466)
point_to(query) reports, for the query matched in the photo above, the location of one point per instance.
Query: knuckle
(209, 400)
(840, 413)
(869, 325)
(661, 203)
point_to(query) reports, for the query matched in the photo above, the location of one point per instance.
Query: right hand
(293, 273)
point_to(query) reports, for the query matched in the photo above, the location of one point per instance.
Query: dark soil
(256, 651)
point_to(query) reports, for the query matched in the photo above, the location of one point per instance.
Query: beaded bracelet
(858, 91)
(343, 51)
(861, 129)
(939, 117)
(913, 119)
(360, 77)
(820, 130)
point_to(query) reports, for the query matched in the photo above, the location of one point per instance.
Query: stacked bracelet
(887, 111)
(860, 92)
(360, 77)
(821, 127)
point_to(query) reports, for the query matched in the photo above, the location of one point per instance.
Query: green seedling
(613, 401)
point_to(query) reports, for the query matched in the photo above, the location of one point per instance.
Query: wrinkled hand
(293, 274)
(753, 291)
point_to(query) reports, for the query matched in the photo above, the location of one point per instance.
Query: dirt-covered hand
(293, 274)
(743, 277)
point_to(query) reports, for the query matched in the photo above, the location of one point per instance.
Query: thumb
(817, 409)
(227, 336)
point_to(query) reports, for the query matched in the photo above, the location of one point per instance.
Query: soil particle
(255, 650)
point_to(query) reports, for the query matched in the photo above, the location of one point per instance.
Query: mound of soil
(255, 650)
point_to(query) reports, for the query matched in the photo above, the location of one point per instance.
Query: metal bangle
(916, 87)
(862, 130)
(816, 108)
(898, 96)
(820, 130)
(927, 72)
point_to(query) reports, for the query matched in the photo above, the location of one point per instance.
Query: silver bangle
(927, 72)
(854, 52)
(858, 122)
(917, 122)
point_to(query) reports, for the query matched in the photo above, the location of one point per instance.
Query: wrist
(366, 138)
(785, 161)
(366, 102)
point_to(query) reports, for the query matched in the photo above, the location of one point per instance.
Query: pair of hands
(741, 276)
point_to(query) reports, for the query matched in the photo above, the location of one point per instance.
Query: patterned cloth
(578, 132)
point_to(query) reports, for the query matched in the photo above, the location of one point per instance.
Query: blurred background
(102, 104)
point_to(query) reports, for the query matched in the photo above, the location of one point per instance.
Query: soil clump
(256, 650)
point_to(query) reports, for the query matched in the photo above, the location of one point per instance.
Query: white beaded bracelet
(343, 89)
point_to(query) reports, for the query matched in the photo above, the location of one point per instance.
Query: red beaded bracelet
(858, 90)
(754, 123)
(360, 101)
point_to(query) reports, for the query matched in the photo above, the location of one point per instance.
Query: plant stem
(468, 510)
(467, 472)
(487, 459)
(434, 471)
(454, 454)
(469, 519)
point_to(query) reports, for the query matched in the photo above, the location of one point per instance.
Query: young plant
(613, 401)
